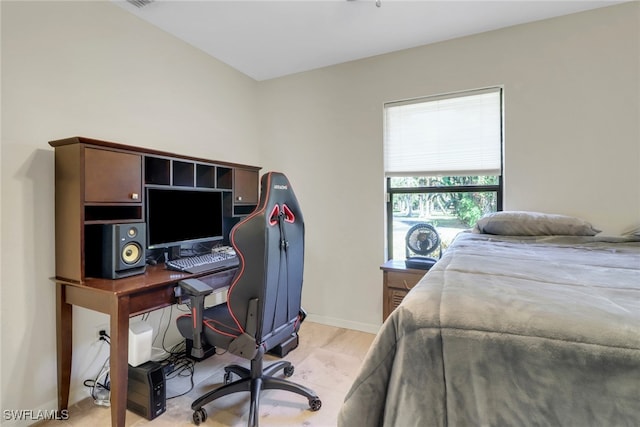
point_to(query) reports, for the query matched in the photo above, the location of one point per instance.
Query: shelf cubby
(183, 174)
(205, 176)
(157, 171)
(106, 214)
(224, 178)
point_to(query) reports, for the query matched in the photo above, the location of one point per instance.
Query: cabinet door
(112, 176)
(394, 298)
(396, 285)
(245, 186)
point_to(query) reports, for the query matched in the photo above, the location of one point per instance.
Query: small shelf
(183, 174)
(104, 214)
(205, 176)
(157, 171)
(225, 178)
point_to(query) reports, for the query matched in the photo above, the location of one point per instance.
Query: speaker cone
(131, 253)
(132, 232)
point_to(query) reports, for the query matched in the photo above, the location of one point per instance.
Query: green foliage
(468, 207)
(467, 210)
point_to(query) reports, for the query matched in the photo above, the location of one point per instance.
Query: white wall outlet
(102, 327)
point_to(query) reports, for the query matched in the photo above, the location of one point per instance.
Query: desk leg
(64, 321)
(119, 366)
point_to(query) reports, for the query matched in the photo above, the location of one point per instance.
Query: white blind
(459, 134)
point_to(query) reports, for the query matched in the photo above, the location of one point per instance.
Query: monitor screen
(178, 216)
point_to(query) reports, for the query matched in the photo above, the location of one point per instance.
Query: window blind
(449, 135)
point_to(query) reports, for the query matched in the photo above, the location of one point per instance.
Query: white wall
(572, 138)
(78, 68)
(90, 69)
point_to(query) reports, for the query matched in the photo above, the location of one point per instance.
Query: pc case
(146, 390)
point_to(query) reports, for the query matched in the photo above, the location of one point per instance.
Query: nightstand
(397, 280)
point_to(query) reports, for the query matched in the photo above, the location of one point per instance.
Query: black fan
(421, 240)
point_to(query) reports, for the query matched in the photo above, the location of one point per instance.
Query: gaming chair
(263, 302)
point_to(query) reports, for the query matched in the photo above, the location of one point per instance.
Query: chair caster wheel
(288, 371)
(199, 416)
(315, 404)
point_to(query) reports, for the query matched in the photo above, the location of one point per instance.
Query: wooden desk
(120, 299)
(104, 184)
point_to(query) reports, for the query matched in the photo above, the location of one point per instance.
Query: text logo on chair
(280, 187)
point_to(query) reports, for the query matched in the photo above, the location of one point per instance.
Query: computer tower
(146, 390)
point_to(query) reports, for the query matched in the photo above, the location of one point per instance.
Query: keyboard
(202, 263)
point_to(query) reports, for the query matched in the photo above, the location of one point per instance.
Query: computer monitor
(179, 217)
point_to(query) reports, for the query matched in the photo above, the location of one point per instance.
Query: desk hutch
(100, 182)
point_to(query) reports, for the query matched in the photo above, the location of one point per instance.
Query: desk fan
(421, 240)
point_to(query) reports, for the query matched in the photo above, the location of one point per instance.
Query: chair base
(209, 351)
(282, 349)
(254, 380)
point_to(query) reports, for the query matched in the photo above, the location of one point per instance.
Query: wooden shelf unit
(101, 182)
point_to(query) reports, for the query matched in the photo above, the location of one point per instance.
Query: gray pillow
(523, 223)
(632, 232)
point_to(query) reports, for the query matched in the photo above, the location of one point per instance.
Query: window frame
(497, 188)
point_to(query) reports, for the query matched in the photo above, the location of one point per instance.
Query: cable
(183, 366)
(166, 329)
(159, 324)
(99, 389)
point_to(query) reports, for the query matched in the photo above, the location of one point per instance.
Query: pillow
(522, 223)
(633, 232)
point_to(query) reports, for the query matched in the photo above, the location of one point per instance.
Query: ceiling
(267, 39)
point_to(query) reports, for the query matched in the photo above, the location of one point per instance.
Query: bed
(511, 330)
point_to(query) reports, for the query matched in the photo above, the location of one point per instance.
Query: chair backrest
(270, 246)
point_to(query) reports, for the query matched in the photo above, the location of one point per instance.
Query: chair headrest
(277, 197)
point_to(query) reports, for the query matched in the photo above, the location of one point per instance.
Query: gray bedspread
(507, 331)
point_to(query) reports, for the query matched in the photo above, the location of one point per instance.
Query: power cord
(183, 366)
(101, 385)
(176, 362)
(105, 337)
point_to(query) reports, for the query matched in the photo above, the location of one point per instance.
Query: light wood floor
(326, 360)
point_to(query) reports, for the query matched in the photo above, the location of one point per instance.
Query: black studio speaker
(123, 250)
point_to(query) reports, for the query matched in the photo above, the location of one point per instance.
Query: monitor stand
(172, 253)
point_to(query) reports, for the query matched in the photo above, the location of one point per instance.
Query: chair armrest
(194, 287)
(195, 291)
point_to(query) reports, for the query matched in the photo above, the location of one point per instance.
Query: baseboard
(342, 323)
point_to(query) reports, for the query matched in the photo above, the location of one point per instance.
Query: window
(443, 164)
